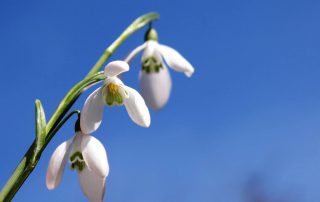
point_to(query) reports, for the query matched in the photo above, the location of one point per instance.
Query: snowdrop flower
(155, 81)
(85, 154)
(113, 92)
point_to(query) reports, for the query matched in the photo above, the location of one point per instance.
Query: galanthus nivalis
(113, 92)
(155, 81)
(87, 155)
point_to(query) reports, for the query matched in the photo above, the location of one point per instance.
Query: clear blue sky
(244, 127)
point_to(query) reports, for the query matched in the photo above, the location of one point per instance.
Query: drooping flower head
(88, 157)
(155, 81)
(113, 93)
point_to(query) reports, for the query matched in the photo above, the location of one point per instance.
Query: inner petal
(77, 162)
(113, 94)
(151, 65)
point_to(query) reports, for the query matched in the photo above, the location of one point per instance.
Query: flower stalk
(46, 131)
(135, 25)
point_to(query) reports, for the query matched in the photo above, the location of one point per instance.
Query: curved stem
(71, 97)
(56, 129)
(135, 26)
(31, 158)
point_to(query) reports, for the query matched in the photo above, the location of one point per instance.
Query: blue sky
(244, 127)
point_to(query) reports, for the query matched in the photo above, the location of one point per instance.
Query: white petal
(76, 144)
(92, 111)
(95, 155)
(92, 185)
(152, 50)
(114, 80)
(115, 68)
(156, 87)
(176, 61)
(136, 108)
(134, 53)
(123, 91)
(57, 163)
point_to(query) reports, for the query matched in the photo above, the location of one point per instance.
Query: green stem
(135, 25)
(56, 129)
(71, 97)
(31, 158)
(27, 165)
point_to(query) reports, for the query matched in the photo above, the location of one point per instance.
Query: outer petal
(92, 185)
(136, 108)
(156, 87)
(57, 163)
(115, 68)
(95, 155)
(92, 111)
(176, 61)
(134, 53)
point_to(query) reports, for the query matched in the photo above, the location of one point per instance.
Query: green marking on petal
(77, 161)
(75, 155)
(151, 65)
(119, 99)
(81, 166)
(109, 99)
(72, 166)
(112, 95)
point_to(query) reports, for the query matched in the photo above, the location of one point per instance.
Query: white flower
(87, 155)
(155, 81)
(113, 92)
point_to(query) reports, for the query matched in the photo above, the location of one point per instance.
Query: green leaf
(40, 126)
